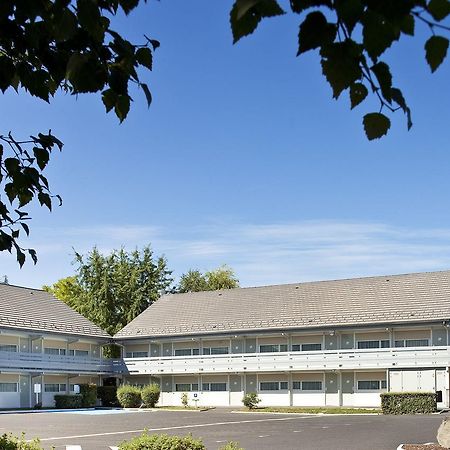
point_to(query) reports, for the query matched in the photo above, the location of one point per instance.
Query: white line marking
(73, 447)
(220, 442)
(325, 427)
(264, 435)
(297, 431)
(201, 425)
(114, 448)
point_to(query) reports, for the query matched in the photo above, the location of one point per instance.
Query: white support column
(229, 386)
(324, 387)
(291, 397)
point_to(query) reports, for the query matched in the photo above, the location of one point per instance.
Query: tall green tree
(111, 290)
(194, 281)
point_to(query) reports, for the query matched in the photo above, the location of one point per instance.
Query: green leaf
(147, 93)
(358, 92)
(7, 71)
(299, 6)
(341, 65)
(122, 107)
(90, 18)
(144, 57)
(128, 5)
(378, 34)
(42, 156)
(44, 199)
(65, 25)
(32, 253)
(245, 15)
(439, 9)
(315, 31)
(20, 255)
(109, 98)
(26, 228)
(376, 125)
(435, 51)
(384, 77)
(349, 12)
(398, 98)
(407, 25)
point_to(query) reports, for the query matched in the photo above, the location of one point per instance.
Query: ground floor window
(83, 353)
(273, 386)
(384, 343)
(216, 350)
(54, 351)
(55, 387)
(214, 387)
(412, 343)
(186, 387)
(371, 385)
(187, 352)
(306, 347)
(307, 385)
(273, 348)
(8, 387)
(136, 355)
(8, 348)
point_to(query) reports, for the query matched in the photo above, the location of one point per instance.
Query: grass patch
(318, 410)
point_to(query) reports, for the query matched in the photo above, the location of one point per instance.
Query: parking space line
(200, 425)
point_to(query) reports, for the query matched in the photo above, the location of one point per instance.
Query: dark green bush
(88, 394)
(408, 402)
(129, 396)
(67, 401)
(251, 400)
(107, 395)
(10, 442)
(162, 442)
(150, 395)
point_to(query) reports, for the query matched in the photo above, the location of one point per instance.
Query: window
(8, 387)
(306, 347)
(186, 387)
(383, 384)
(311, 386)
(273, 385)
(136, 355)
(214, 387)
(371, 385)
(412, 343)
(384, 343)
(215, 350)
(83, 353)
(54, 387)
(272, 348)
(8, 348)
(186, 351)
(54, 351)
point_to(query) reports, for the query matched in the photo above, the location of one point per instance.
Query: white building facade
(332, 343)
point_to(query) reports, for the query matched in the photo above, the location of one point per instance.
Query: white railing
(39, 362)
(292, 361)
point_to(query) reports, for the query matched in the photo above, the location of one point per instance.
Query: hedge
(107, 395)
(162, 442)
(88, 394)
(408, 402)
(10, 442)
(67, 401)
(150, 395)
(129, 396)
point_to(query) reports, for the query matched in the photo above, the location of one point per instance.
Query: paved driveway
(254, 431)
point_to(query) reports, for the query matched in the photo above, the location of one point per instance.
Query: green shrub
(251, 400)
(150, 395)
(10, 442)
(184, 399)
(88, 394)
(162, 442)
(408, 402)
(67, 401)
(231, 446)
(129, 396)
(107, 395)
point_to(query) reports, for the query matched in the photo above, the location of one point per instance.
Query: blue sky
(244, 159)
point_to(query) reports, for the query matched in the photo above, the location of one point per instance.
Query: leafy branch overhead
(351, 37)
(51, 45)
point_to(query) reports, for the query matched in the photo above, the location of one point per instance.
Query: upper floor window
(8, 387)
(54, 351)
(136, 355)
(83, 353)
(412, 343)
(214, 387)
(8, 348)
(272, 348)
(383, 343)
(306, 347)
(371, 385)
(215, 350)
(186, 351)
(55, 387)
(273, 386)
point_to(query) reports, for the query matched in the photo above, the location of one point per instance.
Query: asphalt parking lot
(255, 431)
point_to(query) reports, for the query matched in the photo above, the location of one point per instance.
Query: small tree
(129, 396)
(184, 399)
(150, 395)
(251, 400)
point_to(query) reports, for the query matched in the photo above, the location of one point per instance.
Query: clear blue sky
(245, 159)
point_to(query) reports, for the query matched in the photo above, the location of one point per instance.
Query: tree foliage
(220, 278)
(352, 37)
(48, 46)
(111, 290)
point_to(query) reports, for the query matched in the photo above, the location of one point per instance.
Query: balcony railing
(39, 362)
(292, 361)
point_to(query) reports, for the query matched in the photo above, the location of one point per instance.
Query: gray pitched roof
(36, 310)
(352, 302)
